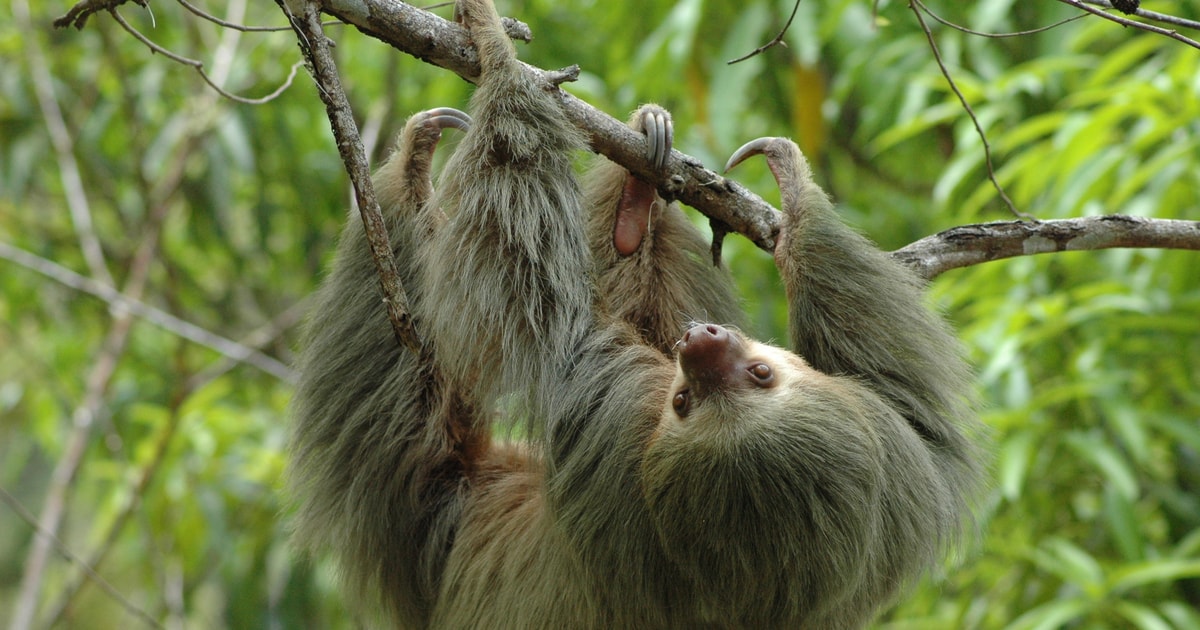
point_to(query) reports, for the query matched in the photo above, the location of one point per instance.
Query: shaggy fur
(670, 270)
(738, 485)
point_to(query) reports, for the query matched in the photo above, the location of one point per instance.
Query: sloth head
(757, 469)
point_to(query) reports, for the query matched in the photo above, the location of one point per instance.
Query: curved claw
(639, 198)
(448, 117)
(660, 135)
(759, 146)
(797, 192)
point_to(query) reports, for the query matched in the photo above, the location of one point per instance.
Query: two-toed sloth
(673, 474)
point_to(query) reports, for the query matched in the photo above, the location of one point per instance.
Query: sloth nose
(705, 332)
(710, 357)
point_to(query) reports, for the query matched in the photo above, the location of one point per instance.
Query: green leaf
(1121, 516)
(1115, 65)
(1182, 615)
(1156, 572)
(1141, 616)
(1051, 615)
(1015, 456)
(1071, 564)
(1107, 461)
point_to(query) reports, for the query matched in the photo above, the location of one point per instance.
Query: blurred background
(162, 457)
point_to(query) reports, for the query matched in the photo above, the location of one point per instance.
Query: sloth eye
(681, 403)
(762, 373)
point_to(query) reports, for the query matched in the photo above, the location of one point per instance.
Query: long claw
(758, 146)
(660, 135)
(670, 138)
(448, 117)
(790, 169)
(653, 139)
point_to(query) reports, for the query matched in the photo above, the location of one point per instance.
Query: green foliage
(1087, 361)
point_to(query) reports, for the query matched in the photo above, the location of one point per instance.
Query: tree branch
(917, 7)
(968, 245)
(60, 138)
(775, 41)
(62, 548)
(1175, 35)
(446, 45)
(232, 350)
(305, 19)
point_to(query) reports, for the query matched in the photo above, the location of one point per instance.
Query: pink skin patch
(633, 216)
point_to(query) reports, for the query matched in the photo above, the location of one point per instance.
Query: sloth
(671, 472)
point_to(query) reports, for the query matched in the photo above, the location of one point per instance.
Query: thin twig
(315, 46)
(1153, 15)
(187, 330)
(133, 497)
(96, 386)
(60, 139)
(62, 548)
(778, 40)
(78, 14)
(199, 66)
(917, 8)
(968, 31)
(284, 321)
(257, 338)
(62, 478)
(201, 13)
(224, 56)
(1132, 23)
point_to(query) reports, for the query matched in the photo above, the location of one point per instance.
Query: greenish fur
(672, 270)
(807, 504)
(376, 452)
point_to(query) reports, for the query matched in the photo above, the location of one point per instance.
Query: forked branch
(442, 43)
